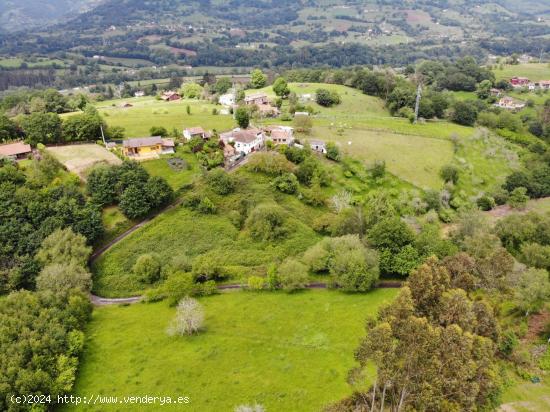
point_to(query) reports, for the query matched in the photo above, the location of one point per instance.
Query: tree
(280, 87)
(326, 98)
(333, 151)
(266, 222)
(518, 198)
(191, 90)
(292, 275)
(101, 185)
(257, 79)
(189, 318)
(158, 191)
(464, 113)
(42, 128)
(147, 268)
(242, 116)
(158, 131)
(134, 202)
(531, 289)
(302, 124)
(82, 127)
(286, 183)
(449, 173)
(222, 85)
(220, 181)
(63, 246)
(8, 129)
(484, 89)
(60, 277)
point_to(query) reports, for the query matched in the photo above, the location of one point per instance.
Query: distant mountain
(16, 15)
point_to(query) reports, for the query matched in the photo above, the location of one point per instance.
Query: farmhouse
(318, 146)
(510, 104)
(227, 99)
(495, 92)
(15, 151)
(245, 141)
(266, 110)
(519, 81)
(544, 84)
(147, 147)
(280, 134)
(139, 93)
(192, 132)
(256, 98)
(170, 96)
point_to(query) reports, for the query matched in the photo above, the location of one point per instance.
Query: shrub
(486, 202)
(266, 222)
(206, 206)
(220, 181)
(449, 173)
(147, 268)
(287, 183)
(270, 163)
(293, 275)
(158, 131)
(326, 98)
(333, 152)
(189, 318)
(255, 283)
(59, 277)
(302, 124)
(518, 198)
(378, 170)
(242, 116)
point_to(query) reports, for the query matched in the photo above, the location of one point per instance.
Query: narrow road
(99, 301)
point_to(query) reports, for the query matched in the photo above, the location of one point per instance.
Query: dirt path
(99, 301)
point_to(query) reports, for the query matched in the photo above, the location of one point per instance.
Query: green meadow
(287, 352)
(533, 71)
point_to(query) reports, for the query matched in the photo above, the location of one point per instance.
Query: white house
(280, 135)
(227, 99)
(245, 141)
(139, 93)
(191, 132)
(318, 146)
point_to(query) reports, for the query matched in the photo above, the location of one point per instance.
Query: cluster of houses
(260, 100)
(237, 143)
(525, 83)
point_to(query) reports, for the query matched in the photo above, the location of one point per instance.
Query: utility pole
(540, 58)
(417, 105)
(103, 135)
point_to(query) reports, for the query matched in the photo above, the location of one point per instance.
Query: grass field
(525, 396)
(286, 352)
(148, 112)
(175, 178)
(79, 158)
(533, 71)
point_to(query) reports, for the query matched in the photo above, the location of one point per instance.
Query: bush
(449, 173)
(59, 278)
(302, 124)
(147, 268)
(326, 98)
(266, 222)
(270, 163)
(292, 275)
(378, 170)
(242, 116)
(333, 152)
(518, 198)
(485, 203)
(158, 131)
(220, 182)
(287, 183)
(255, 283)
(189, 318)
(206, 206)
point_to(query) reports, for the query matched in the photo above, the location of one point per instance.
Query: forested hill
(20, 15)
(284, 32)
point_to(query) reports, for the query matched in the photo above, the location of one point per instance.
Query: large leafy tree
(42, 128)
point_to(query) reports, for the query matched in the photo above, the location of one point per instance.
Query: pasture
(78, 158)
(533, 71)
(287, 352)
(148, 112)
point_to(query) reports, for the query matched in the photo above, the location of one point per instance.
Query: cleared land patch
(288, 352)
(79, 158)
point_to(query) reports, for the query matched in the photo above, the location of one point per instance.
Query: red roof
(14, 149)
